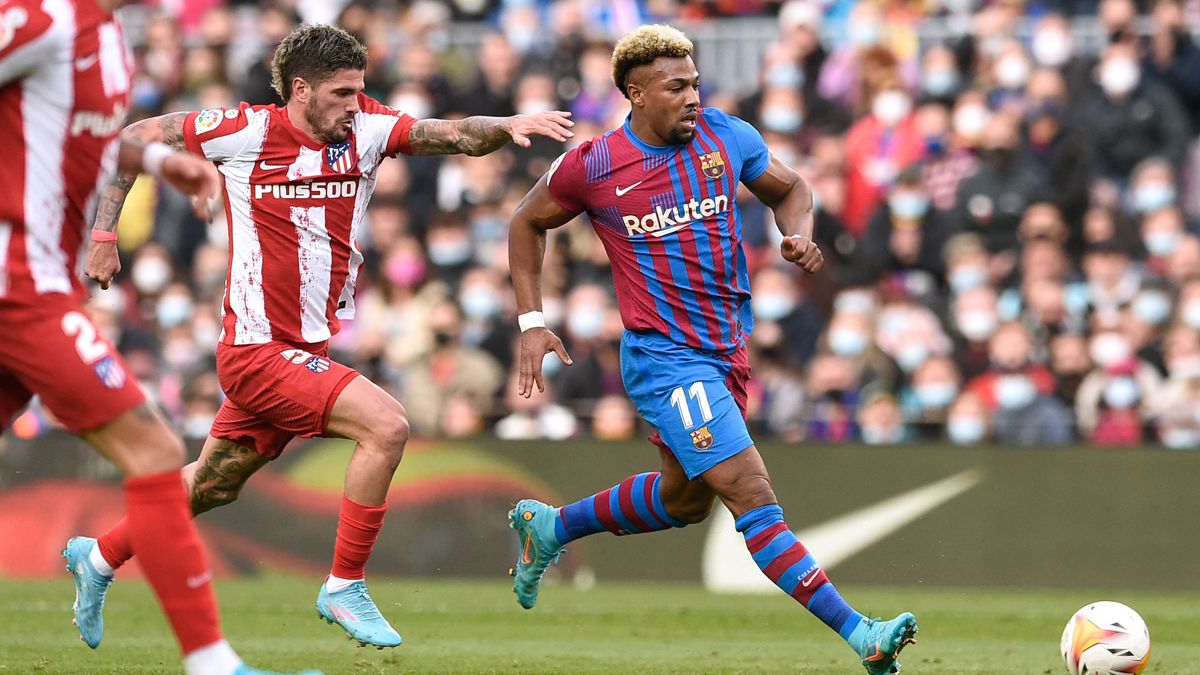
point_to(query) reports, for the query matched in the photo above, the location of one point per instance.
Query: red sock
(114, 544)
(358, 527)
(161, 531)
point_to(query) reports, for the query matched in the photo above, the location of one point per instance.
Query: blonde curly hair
(642, 46)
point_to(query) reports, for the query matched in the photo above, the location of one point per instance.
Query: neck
(112, 5)
(641, 127)
(295, 113)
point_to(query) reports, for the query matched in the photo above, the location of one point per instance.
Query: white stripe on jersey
(246, 297)
(316, 264)
(366, 187)
(47, 99)
(5, 236)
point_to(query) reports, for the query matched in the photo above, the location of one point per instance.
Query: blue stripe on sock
(660, 509)
(578, 520)
(614, 502)
(756, 520)
(828, 606)
(790, 578)
(640, 507)
(560, 528)
(850, 624)
(782, 542)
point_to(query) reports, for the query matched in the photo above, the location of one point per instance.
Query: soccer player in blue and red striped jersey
(660, 192)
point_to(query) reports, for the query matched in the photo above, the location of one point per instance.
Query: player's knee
(750, 491)
(147, 446)
(209, 496)
(391, 434)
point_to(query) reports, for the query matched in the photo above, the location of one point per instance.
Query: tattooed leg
(217, 478)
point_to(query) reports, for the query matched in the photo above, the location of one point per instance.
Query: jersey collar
(645, 147)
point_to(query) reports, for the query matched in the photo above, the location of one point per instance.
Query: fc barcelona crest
(701, 438)
(712, 165)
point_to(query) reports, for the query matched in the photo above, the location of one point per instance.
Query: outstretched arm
(537, 213)
(788, 196)
(477, 136)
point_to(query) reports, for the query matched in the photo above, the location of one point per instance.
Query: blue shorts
(695, 400)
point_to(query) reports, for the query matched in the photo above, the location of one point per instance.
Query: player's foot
(90, 588)
(879, 642)
(534, 523)
(247, 670)
(354, 610)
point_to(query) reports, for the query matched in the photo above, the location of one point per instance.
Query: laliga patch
(702, 438)
(207, 120)
(110, 372)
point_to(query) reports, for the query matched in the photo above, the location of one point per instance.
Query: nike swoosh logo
(525, 554)
(86, 62)
(807, 581)
(622, 190)
(199, 580)
(669, 230)
(270, 167)
(728, 567)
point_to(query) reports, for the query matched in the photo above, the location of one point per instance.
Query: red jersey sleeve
(28, 38)
(567, 179)
(385, 125)
(214, 133)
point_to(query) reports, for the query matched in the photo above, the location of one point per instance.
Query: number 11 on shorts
(680, 400)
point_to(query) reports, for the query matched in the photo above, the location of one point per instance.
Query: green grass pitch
(477, 627)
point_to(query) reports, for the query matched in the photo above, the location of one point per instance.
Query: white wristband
(153, 157)
(533, 319)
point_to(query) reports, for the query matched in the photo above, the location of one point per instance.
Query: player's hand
(194, 176)
(103, 262)
(535, 344)
(554, 124)
(802, 251)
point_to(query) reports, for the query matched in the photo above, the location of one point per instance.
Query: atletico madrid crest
(712, 165)
(702, 439)
(338, 156)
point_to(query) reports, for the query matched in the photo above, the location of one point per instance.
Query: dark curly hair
(314, 53)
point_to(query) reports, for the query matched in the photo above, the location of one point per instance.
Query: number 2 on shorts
(78, 326)
(680, 400)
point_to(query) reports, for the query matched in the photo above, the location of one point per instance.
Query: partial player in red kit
(297, 180)
(64, 89)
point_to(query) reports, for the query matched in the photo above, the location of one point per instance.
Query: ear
(637, 94)
(301, 90)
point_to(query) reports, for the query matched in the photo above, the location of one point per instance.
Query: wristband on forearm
(533, 319)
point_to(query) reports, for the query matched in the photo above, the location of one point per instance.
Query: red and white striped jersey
(64, 90)
(295, 209)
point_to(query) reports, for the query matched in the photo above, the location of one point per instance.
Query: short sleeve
(29, 37)
(385, 126)
(566, 179)
(750, 143)
(217, 134)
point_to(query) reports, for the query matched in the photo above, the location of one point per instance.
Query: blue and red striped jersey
(669, 220)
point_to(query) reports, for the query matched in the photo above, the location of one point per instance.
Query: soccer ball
(1105, 638)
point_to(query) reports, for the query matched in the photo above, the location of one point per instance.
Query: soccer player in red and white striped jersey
(297, 179)
(64, 89)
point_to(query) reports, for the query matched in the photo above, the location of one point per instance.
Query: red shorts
(52, 349)
(275, 392)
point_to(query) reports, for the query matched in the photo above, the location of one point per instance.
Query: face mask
(1012, 72)
(1152, 307)
(1181, 439)
(1109, 349)
(864, 34)
(969, 121)
(1153, 196)
(941, 82)
(488, 228)
(909, 205)
(551, 364)
(412, 104)
(872, 435)
(1051, 48)
(151, 275)
(206, 333)
(534, 106)
(854, 302)
(587, 323)
(977, 325)
(521, 38)
(1161, 243)
(197, 426)
(847, 342)
(911, 356)
(936, 395)
(1186, 367)
(173, 310)
(935, 145)
(785, 75)
(965, 430)
(999, 158)
(1014, 392)
(180, 354)
(966, 278)
(772, 306)
(782, 120)
(1121, 392)
(1191, 314)
(479, 303)
(890, 107)
(1118, 77)
(405, 271)
(449, 253)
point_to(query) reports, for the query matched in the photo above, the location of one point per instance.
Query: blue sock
(631, 507)
(786, 562)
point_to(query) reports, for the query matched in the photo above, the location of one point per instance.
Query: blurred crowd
(1008, 209)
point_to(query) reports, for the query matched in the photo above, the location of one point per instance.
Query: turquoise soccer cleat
(90, 588)
(879, 642)
(247, 670)
(354, 610)
(534, 523)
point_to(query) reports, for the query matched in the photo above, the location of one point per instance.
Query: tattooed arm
(477, 136)
(165, 129)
